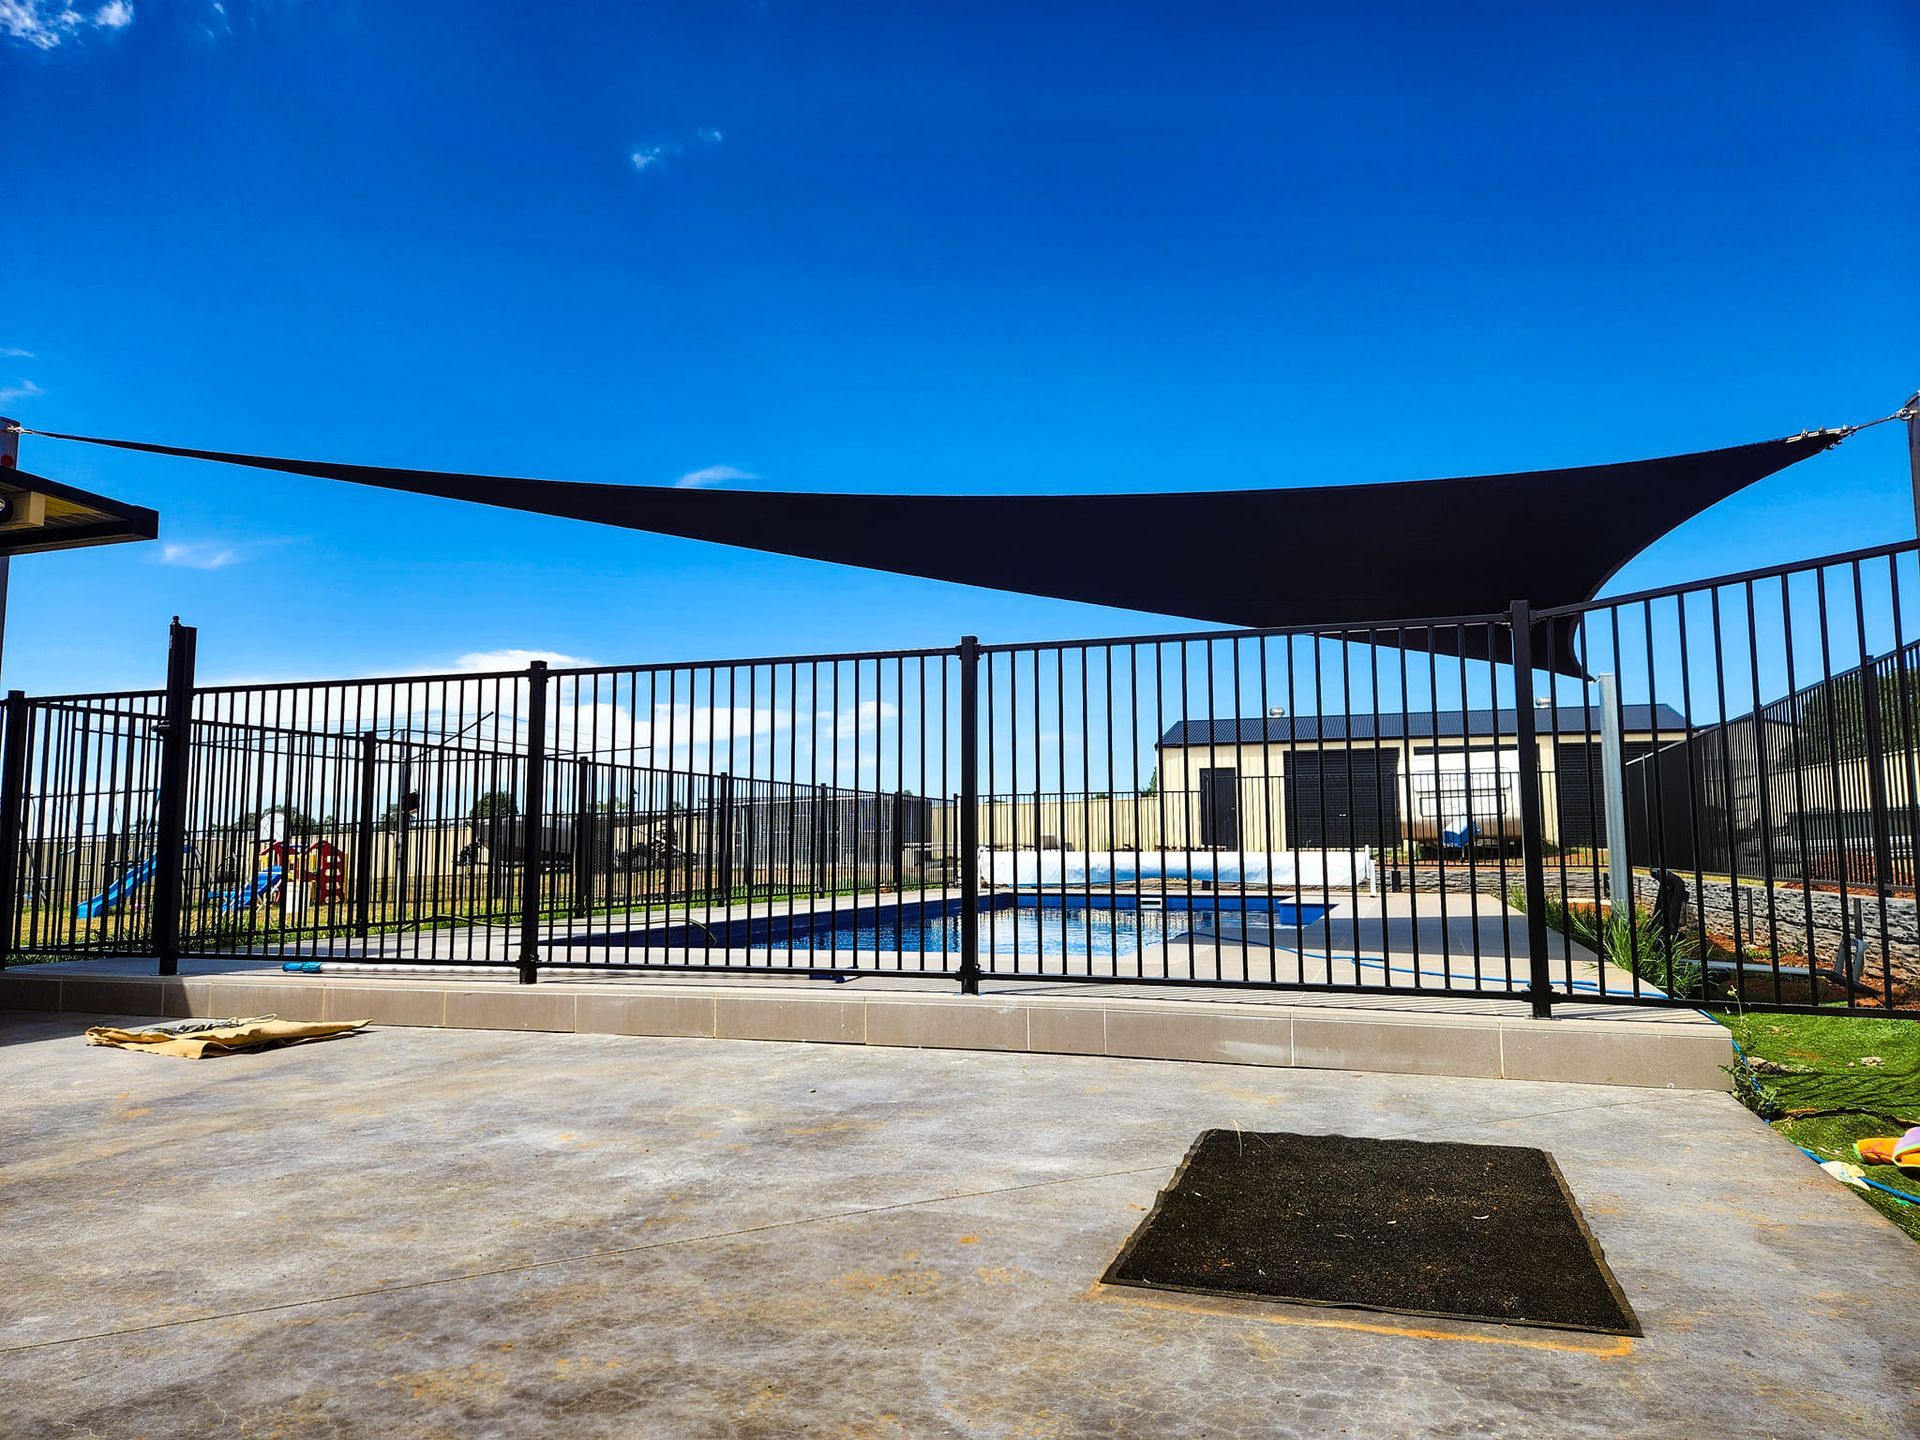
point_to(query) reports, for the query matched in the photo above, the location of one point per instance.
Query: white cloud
(43, 24)
(26, 389)
(12, 352)
(645, 157)
(512, 659)
(198, 554)
(712, 475)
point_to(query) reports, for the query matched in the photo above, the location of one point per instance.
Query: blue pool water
(1051, 929)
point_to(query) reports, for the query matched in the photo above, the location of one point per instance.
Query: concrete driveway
(465, 1233)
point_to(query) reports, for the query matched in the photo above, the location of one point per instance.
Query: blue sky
(905, 248)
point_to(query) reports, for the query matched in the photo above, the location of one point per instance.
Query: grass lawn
(1824, 1082)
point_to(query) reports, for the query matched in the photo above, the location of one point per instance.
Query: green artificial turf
(1831, 1062)
(1831, 1137)
(1825, 1081)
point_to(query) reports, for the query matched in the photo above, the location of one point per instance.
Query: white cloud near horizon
(482, 661)
(712, 475)
(26, 389)
(44, 24)
(198, 554)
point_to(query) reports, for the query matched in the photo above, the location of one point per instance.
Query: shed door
(1220, 808)
(1580, 789)
(1343, 799)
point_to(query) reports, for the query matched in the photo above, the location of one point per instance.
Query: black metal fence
(1789, 789)
(1453, 808)
(1782, 806)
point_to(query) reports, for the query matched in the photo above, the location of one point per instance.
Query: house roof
(1417, 725)
(70, 518)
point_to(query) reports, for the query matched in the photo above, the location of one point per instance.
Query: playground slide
(254, 891)
(116, 894)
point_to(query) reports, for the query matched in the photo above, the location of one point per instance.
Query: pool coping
(1488, 1040)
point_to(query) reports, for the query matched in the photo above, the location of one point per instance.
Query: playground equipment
(136, 877)
(263, 886)
(317, 869)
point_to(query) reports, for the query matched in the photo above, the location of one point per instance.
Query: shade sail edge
(1330, 557)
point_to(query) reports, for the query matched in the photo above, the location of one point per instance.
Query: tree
(1838, 708)
(495, 804)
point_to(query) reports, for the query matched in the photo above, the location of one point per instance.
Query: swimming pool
(1038, 925)
(1051, 926)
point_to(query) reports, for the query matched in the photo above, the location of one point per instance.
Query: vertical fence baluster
(533, 823)
(1532, 832)
(969, 815)
(13, 786)
(363, 835)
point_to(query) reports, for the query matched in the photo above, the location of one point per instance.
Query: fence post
(721, 842)
(899, 846)
(403, 836)
(533, 823)
(13, 786)
(583, 838)
(969, 815)
(1876, 786)
(1613, 768)
(363, 842)
(170, 841)
(819, 881)
(1532, 825)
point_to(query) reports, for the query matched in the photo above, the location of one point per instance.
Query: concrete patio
(453, 1233)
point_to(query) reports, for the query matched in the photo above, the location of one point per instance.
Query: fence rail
(1445, 807)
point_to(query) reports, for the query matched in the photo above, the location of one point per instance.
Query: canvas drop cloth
(196, 1039)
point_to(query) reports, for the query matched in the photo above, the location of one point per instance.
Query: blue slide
(115, 894)
(253, 892)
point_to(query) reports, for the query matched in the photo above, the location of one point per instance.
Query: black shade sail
(1331, 558)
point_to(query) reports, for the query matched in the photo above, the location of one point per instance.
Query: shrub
(1631, 938)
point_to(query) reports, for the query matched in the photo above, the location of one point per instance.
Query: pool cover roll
(1285, 869)
(1332, 558)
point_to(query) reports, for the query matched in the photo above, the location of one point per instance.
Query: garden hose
(1863, 1179)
